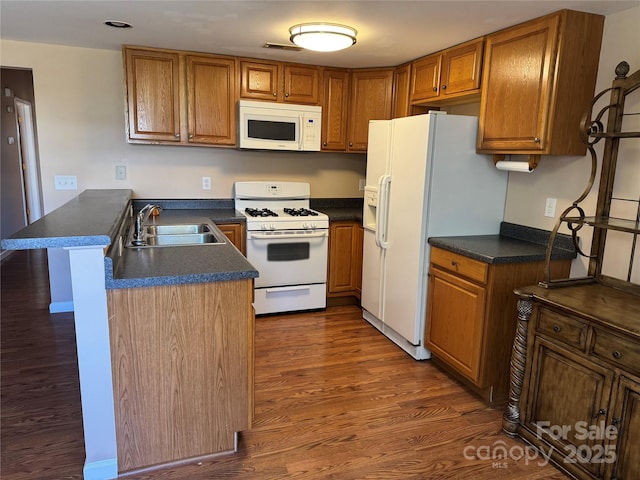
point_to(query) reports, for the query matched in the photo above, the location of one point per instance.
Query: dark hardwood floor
(334, 399)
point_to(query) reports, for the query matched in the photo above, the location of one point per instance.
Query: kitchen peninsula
(164, 336)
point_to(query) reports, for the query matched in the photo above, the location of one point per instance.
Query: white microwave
(279, 126)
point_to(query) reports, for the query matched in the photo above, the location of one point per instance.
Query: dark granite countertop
(146, 267)
(339, 209)
(514, 244)
(95, 218)
(90, 219)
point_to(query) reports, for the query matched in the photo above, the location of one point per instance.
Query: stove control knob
(306, 226)
(272, 227)
(263, 226)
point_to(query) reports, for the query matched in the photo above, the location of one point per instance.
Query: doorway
(28, 159)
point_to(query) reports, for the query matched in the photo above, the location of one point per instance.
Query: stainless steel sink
(178, 235)
(177, 229)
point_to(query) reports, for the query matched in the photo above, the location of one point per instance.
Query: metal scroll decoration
(592, 131)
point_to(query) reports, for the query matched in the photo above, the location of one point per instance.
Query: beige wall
(80, 103)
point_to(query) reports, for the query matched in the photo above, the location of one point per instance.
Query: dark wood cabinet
(345, 259)
(153, 95)
(538, 80)
(279, 82)
(178, 98)
(335, 109)
(471, 321)
(236, 233)
(370, 100)
(451, 73)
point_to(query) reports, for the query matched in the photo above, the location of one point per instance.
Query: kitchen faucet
(138, 235)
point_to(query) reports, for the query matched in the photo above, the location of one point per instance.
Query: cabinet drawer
(468, 267)
(561, 327)
(620, 351)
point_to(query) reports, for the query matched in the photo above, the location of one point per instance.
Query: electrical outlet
(206, 183)
(361, 184)
(65, 182)
(121, 172)
(550, 207)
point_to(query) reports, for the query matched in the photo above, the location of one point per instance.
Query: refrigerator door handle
(382, 211)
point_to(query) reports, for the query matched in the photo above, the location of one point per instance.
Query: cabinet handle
(286, 94)
(617, 355)
(435, 89)
(350, 144)
(190, 136)
(454, 263)
(556, 328)
(444, 87)
(602, 411)
(275, 94)
(536, 140)
(177, 135)
(616, 421)
(324, 144)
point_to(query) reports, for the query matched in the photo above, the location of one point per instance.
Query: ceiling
(389, 32)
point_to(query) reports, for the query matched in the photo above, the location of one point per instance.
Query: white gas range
(287, 243)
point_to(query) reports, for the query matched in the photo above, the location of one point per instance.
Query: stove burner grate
(300, 212)
(260, 212)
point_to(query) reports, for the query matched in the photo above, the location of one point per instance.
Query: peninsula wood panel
(181, 370)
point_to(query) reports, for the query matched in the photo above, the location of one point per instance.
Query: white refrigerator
(424, 179)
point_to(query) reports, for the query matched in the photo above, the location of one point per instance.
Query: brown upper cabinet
(401, 82)
(446, 75)
(370, 100)
(538, 80)
(177, 98)
(335, 107)
(279, 82)
(153, 95)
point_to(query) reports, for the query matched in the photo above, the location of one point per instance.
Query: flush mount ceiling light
(323, 37)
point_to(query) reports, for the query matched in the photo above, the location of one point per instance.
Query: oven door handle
(287, 289)
(267, 236)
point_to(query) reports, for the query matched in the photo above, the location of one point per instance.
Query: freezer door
(405, 281)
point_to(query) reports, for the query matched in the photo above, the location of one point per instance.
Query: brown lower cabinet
(182, 362)
(345, 259)
(471, 316)
(236, 233)
(579, 350)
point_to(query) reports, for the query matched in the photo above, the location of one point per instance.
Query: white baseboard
(101, 470)
(61, 307)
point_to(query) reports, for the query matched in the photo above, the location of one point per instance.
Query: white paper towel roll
(513, 166)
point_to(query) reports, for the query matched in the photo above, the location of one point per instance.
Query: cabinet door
(401, 82)
(301, 84)
(626, 418)
(211, 96)
(568, 395)
(260, 81)
(153, 95)
(517, 87)
(334, 109)
(235, 232)
(370, 100)
(455, 321)
(342, 274)
(461, 69)
(425, 78)
(357, 257)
